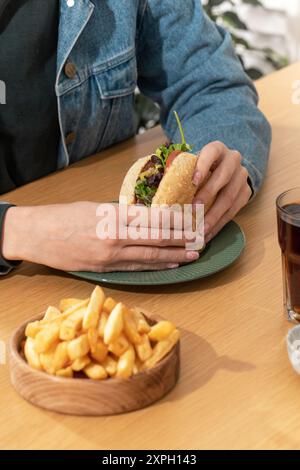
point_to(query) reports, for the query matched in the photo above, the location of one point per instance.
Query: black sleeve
(5, 265)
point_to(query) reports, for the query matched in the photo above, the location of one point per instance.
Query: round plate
(221, 252)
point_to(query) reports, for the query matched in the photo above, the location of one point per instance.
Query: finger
(242, 199)
(219, 178)
(209, 156)
(156, 255)
(157, 237)
(226, 198)
(128, 266)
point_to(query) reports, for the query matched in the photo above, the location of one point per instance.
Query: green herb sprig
(164, 151)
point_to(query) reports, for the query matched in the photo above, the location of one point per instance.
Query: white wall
(277, 26)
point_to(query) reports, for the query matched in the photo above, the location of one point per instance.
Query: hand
(226, 190)
(65, 237)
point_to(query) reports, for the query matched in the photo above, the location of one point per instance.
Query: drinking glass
(288, 221)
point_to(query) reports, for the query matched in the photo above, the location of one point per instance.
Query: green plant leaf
(255, 3)
(232, 20)
(254, 73)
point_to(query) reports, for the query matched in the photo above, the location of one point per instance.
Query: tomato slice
(172, 157)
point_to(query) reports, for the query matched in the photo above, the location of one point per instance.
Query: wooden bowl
(89, 397)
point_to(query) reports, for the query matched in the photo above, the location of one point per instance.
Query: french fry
(66, 373)
(94, 308)
(162, 348)
(47, 359)
(119, 346)
(31, 355)
(78, 347)
(130, 327)
(144, 350)
(102, 323)
(142, 325)
(80, 363)
(161, 331)
(110, 365)
(67, 313)
(61, 357)
(139, 365)
(100, 351)
(74, 308)
(114, 324)
(33, 328)
(109, 304)
(93, 338)
(71, 325)
(126, 364)
(51, 313)
(65, 304)
(95, 371)
(46, 338)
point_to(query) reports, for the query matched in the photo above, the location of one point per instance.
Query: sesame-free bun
(176, 187)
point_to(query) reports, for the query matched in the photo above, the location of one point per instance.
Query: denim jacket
(176, 56)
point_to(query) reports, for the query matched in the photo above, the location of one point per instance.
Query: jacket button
(70, 70)
(70, 138)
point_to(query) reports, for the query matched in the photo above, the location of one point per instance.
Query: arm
(187, 63)
(73, 237)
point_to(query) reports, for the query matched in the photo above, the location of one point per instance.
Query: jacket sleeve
(187, 63)
(5, 266)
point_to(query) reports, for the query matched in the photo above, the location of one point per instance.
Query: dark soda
(288, 219)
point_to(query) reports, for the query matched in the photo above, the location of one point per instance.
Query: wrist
(14, 233)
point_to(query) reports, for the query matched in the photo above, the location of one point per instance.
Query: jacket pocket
(100, 109)
(116, 87)
(118, 81)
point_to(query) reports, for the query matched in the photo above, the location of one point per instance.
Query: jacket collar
(72, 22)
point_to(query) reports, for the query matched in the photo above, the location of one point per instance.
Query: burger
(164, 177)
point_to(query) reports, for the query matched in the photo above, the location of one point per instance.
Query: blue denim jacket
(177, 57)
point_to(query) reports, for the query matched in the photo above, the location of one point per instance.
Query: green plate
(221, 252)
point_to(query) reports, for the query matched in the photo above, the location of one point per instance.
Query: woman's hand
(227, 188)
(64, 236)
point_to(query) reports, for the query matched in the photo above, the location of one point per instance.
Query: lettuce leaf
(144, 192)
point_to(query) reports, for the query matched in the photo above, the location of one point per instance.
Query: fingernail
(197, 178)
(206, 228)
(192, 255)
(173, 266)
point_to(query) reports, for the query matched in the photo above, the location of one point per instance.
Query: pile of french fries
(98, 337)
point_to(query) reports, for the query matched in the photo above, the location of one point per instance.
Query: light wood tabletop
(237, 388)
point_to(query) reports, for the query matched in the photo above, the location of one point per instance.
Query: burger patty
(154, 160)
(154, 177)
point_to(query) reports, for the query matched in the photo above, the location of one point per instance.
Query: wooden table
(237, 389)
